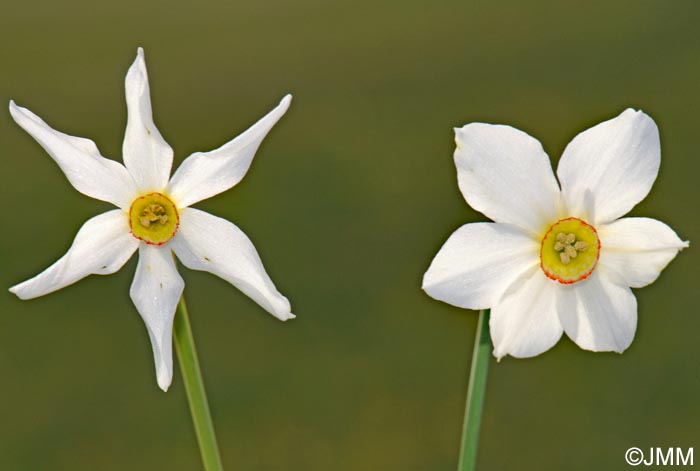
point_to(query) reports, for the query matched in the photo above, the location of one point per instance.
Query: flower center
(570, 250)
(153, 218)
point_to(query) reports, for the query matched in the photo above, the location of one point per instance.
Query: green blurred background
(348, 200)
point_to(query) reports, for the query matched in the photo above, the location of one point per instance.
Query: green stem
(196, 396)
(476, 394)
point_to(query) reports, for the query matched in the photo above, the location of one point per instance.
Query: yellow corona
(153, 218)
(569, 251)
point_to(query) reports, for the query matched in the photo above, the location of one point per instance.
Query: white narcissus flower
(555, 260)
(154, 216)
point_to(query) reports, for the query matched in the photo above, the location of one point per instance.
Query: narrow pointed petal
(81, 162)
(155, 291)
(205, 174)
(102, 246)
(505, 174)
(598, 314)
(524, 323)
(478, 262)
(637, 249)
(606, 170)
(209, 243)
(146, 154)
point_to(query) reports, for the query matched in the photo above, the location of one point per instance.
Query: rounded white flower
(154, 216)
(555, 260)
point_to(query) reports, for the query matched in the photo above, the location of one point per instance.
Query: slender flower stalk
(475, 394)
(194, 385)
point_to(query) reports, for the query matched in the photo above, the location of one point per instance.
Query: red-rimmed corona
(153, 218)
(569, 251)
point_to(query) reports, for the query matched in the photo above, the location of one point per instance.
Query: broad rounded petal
(637, 249)
(146, 154)
(524, 323)
(102, 246)
(598, 314)
(606, 170)
(505, 174)
(155, 291)
(89, 172)
(209, 243)
(478, 262)
(205, 174)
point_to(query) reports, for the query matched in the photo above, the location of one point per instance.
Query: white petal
(146, 154)
(155, 291)
(606, 170)
(205, 174)
(505, 174)
(598, 314)
(209, 243)
(478, 262)
(102, 246)
(89, 172)
(637, 249)
(524, 323)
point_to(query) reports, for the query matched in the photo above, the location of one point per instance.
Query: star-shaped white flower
(555, 260)
(154, 216)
